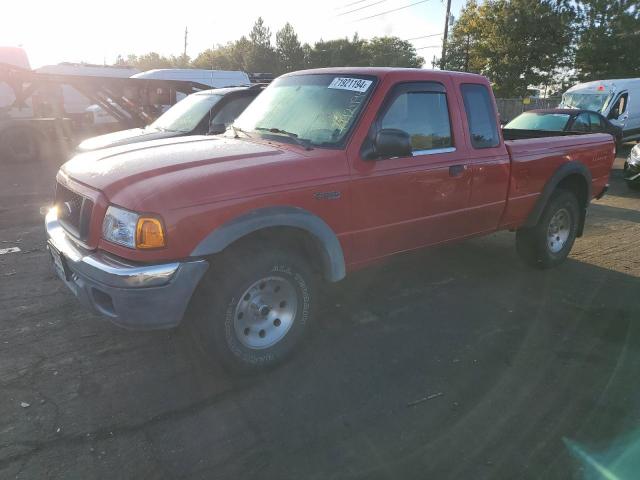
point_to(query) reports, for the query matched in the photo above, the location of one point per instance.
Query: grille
(74, 211)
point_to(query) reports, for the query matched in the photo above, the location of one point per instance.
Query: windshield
(596, 102)
(550, 122)
(319, 109)
(185, 115)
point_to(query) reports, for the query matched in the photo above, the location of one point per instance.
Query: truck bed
(534, 160)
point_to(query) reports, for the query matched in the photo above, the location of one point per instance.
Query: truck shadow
(428, 366)
(410, 357)
(611, 213)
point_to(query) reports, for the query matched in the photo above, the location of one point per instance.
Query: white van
(212, 78)
(618, 100)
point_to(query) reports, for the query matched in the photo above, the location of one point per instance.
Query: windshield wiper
(303, 142)
(238, 129)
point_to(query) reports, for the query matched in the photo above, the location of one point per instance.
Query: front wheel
(549, 242)
(258, 307)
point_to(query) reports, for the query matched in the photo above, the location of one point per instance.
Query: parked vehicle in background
(326, 172)
(632, 168)
(74, 101)
(210, 78)
(203, 113)
(33, 106)
(617, 100)
(213, 78)
(558, 121)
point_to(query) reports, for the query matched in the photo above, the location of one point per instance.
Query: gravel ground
(455, 362)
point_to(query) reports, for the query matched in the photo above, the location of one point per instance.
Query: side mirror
(217, 128)
(392, 142)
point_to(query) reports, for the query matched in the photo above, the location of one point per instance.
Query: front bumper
(136, 296)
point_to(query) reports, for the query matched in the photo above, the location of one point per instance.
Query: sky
(54, 31)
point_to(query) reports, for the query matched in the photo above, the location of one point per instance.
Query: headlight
(131, 229)
(634, 158)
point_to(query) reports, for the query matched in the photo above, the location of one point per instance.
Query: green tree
(609, 35)
(463, 45)
(291, 55)
(260, 55)
(392, 52)
(516, 43)
(339, 53)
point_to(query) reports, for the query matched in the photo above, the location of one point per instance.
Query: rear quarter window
(483, 125)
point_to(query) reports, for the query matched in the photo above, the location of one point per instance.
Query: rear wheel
(257, 308)
(549, 242)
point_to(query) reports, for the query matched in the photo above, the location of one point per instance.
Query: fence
(510, 108)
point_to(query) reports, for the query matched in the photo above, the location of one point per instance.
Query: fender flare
(280, 216)
(564, 171)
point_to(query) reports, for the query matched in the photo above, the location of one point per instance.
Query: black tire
(20, 145)
(537, 246)
(216, 325)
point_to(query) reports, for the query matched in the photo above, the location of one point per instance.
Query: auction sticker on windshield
(355, 84)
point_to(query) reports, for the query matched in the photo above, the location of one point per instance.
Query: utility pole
(186, 34)
(446, 34)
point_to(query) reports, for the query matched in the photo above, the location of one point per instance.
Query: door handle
(457, 170)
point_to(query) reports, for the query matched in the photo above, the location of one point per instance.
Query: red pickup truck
(326, 172)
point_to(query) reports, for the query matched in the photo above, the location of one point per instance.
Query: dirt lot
(456, 362)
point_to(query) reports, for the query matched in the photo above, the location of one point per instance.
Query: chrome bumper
(131, 295)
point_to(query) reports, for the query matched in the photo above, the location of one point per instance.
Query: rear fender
(566, 170)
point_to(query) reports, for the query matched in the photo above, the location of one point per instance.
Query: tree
(222, 57)
(339, 53)
(609, 34)
(463, 46)
(151, 60)
(392, 52)
(516, 43)
(260, 55)
(291, 55)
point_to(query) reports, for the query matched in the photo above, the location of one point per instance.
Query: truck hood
(123, 137)
(138, 171)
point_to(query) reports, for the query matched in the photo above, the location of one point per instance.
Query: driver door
(406, 202)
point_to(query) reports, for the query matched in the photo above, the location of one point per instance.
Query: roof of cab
(384, 71)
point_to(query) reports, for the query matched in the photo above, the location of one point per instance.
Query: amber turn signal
(149, 233)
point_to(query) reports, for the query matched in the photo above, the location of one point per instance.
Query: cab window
(595, 123)
(581, 123)
(420, 110)
(481, 117)
(231, 109)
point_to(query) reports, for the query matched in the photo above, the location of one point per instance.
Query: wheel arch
(269, 219)
(573, 176)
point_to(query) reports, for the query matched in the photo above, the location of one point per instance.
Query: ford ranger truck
(326, 172)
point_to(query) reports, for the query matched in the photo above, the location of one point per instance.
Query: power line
(349, 4)
(390, 11)
(423, 36)
(430, 46)
(360, 8)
